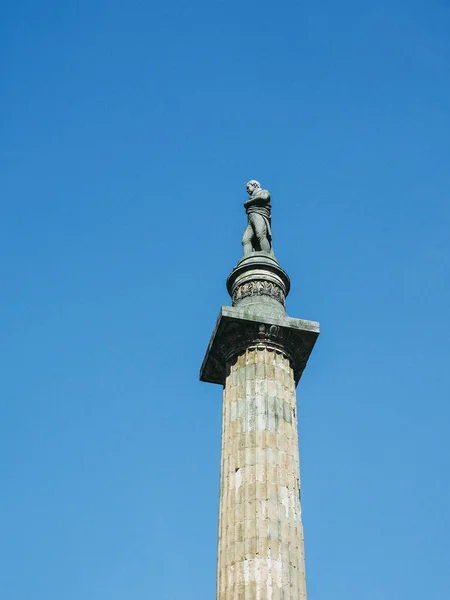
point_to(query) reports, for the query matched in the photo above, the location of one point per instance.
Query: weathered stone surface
(261, 553)
(259, 359)
(238, 329)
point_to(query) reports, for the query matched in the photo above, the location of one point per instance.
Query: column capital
(236, 330)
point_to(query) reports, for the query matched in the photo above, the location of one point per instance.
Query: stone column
(258, 354)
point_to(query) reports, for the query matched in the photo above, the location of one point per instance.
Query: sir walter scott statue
(258, 234)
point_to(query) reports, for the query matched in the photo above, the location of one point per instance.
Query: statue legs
(255, 237)
(247, 240)
(264, 244)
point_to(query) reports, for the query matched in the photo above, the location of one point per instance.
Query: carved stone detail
(236, 337)
(259, 288)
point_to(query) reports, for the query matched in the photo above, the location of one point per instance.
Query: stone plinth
(239, 328)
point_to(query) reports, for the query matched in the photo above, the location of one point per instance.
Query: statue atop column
(258, 233)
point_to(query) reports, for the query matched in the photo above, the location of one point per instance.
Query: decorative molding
(259, 288)
(233, 336)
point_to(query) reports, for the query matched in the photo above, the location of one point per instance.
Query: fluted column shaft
(261, 549)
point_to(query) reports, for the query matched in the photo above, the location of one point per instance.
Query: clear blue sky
(128, 133)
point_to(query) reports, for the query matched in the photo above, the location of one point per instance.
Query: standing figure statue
(258, 233)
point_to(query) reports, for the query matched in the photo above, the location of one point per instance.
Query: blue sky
(129, 131)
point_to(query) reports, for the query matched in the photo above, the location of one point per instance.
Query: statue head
(252, 186)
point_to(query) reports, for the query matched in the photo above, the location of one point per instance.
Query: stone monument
(258, 354)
